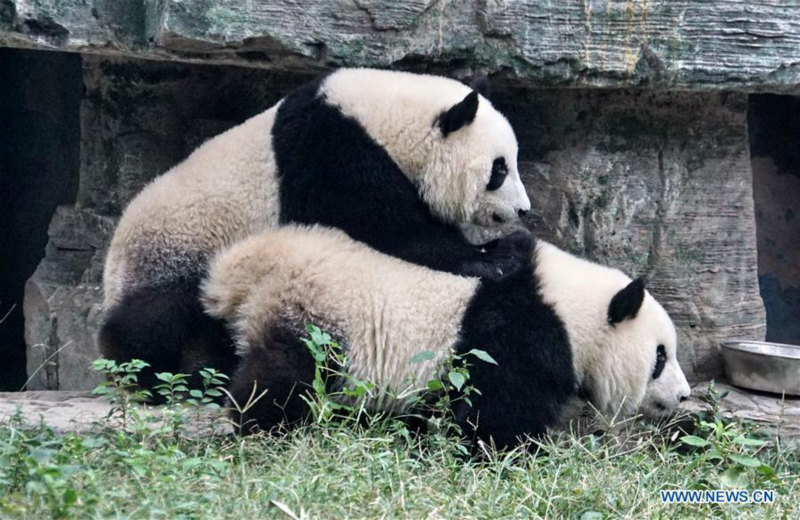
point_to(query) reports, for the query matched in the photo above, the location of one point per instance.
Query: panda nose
(522, 212)
(683, 398)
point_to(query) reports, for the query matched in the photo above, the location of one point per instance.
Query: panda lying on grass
(561, 328)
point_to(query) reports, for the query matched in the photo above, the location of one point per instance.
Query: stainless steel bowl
(771, 367)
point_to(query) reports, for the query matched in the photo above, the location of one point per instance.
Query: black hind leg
(285, 371)
(166, 327)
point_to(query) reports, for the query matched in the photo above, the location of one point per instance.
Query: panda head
(640, 371)
(446, 137)
(475, 153)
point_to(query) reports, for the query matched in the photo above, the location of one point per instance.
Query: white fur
(399, 111)
(389, 310)
(615, 360)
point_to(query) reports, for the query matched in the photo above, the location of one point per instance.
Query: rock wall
(697, 44)
(63, 302)
(658, 183)
(655, 183)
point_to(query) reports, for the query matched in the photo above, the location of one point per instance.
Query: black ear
(460, 114)
(627, 302)
(481, 86)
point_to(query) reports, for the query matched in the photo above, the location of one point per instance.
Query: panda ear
(481, 86)
(460, 114)
(627, 302)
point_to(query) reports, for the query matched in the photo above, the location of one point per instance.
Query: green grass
(349, 463)
(332, 471)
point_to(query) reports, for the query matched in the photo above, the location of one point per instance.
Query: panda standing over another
(558, 328)
(419, 167)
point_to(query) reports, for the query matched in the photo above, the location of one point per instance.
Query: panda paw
(502, 257)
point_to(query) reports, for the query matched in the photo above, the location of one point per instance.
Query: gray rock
(64, 411)
(659, 185)
(139, 118)
(732, 44)
(82, 411)
(63, 300)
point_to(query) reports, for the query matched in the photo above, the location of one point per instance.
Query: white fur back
(387, 310)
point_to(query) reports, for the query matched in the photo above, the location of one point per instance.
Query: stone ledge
(722, 44)
(71, 411)
(64, 411)
(779, 417)
(67, 411)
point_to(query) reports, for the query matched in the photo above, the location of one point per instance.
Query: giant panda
(417, 166)
(560, 328)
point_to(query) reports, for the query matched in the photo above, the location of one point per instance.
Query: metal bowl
(758, 365)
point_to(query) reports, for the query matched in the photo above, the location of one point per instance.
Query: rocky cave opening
(774, 130)
(40, 96)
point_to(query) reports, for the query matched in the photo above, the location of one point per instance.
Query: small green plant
(13, 469)
(120, 386)
(348, 402)
(455, 374)
(346, 398)
(211, 393)
(173, 388)
(731, 446)
(442, 392)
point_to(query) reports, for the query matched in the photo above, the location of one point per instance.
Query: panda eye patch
(661, 360)
(499, 172)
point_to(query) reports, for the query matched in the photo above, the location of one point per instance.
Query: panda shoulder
(557, 267)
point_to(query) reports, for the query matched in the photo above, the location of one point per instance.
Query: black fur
(166, 327)
(524, 393)
(459, 115)
(333, 173)
(521, 396)
(626, 303)
(285, 370)
(661, 361)
(499, 174)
